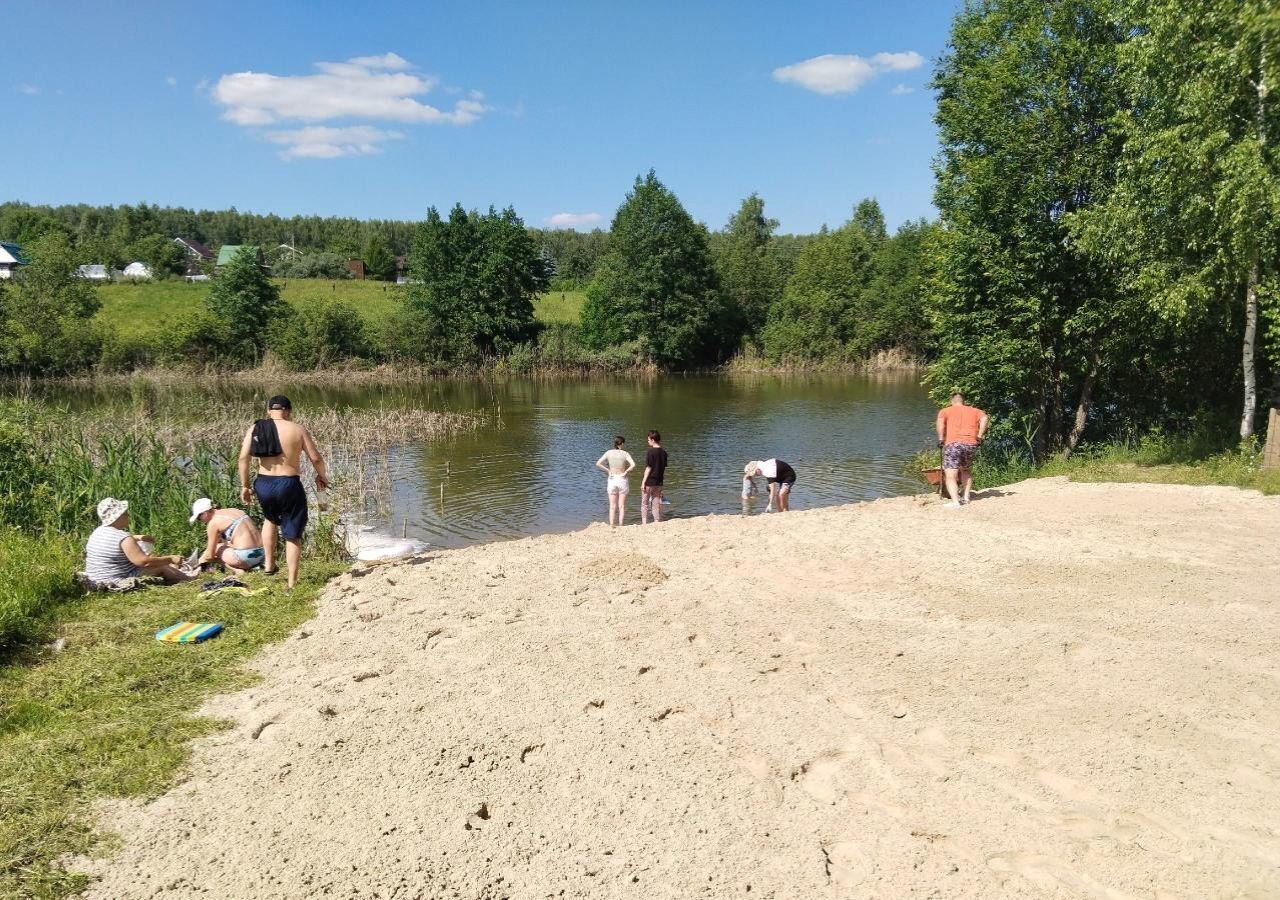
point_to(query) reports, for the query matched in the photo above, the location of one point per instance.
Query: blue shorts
(284, 502)
(251, 558)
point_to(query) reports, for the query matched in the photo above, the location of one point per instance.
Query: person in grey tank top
(113, 554)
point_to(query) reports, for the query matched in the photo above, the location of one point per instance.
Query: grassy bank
(110, 715)
(1156, 459)
(55, 465)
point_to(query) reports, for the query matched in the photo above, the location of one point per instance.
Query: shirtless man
(279, 443)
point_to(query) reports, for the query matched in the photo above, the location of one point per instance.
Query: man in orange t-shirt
(960, 430)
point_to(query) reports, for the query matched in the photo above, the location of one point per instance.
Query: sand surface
(1064, 690)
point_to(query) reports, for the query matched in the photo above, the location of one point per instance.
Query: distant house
(227, 252)
(95, 272)
(138, 270)
(10, 258)
(356, 268)
(402, 270)
(197, 254)
(287, 251)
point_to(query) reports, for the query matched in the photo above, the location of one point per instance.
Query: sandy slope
(1062, 691)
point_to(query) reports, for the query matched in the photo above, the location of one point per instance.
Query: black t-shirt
(655, 459)
(786, 474)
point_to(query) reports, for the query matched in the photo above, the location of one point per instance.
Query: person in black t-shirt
(655, 466)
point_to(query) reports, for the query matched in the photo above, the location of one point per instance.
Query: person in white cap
(232, 535)
(113, 554)
(780, 477)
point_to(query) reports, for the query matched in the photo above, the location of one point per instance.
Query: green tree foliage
(379, 263)
(656, 287)
(474, 278)
(868, 216)
(749, 276)
(45, 313)
(1193, 221)
(819, 312)
(245, 301)
(161, 255)
(575, 254)
(312, 265)
(321, 333)
(1025, 322)
(894, 304)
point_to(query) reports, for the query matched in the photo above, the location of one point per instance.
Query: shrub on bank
(322, 333)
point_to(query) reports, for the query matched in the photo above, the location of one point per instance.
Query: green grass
(137, 311)
(1156, 459)
(560, 307)
(109, 716)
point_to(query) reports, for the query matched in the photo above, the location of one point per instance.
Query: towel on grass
(188, 632)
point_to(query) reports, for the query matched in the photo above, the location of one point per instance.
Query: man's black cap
(279, 401)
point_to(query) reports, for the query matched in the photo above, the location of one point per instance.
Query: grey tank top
(103, 558)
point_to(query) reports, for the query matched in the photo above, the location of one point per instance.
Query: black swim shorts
(284, 502)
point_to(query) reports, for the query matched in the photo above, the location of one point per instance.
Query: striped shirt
(103, 558)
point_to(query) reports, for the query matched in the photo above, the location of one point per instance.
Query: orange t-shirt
(960, 424)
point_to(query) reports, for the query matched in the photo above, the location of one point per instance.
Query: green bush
(320, 333)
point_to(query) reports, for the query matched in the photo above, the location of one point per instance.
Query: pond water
(530, 468)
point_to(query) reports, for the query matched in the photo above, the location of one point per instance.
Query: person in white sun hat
(113, 554)
(232, 536)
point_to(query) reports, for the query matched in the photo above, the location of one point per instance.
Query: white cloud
(171, 81)
(375, 88)
(898, 62)
(323, 142)
(29, 89)
(842, 73)
(573, 220)
(900, 89)
(361, 88)
(393, 61)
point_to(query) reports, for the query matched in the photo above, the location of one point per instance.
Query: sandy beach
(1063, 690)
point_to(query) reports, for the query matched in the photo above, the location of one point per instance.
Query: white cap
(110, 509)
(201, 506)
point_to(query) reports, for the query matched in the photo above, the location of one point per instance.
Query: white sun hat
(201, 506)
(110, 509)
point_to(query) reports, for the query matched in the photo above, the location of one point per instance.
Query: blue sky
(552, 108)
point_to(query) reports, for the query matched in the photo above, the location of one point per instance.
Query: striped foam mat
(188, 632)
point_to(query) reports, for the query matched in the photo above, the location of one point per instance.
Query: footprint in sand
(1051, 874)
(817, 776)
(846, 865)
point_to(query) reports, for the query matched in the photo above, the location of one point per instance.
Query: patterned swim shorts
(958, 456)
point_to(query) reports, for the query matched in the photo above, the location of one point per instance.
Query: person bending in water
(655, 467)
(233, 537)
(780, 476)
(279, 444)
(616, 463)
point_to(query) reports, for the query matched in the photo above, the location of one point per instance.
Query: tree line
(1108, 183)
(661, 291)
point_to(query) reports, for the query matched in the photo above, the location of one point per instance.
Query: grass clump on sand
(109, 716)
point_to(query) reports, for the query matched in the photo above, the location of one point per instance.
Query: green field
(140, 310)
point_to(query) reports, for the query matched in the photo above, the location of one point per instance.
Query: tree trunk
(1082, 408)
(1251, 290)
(1250, 342)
